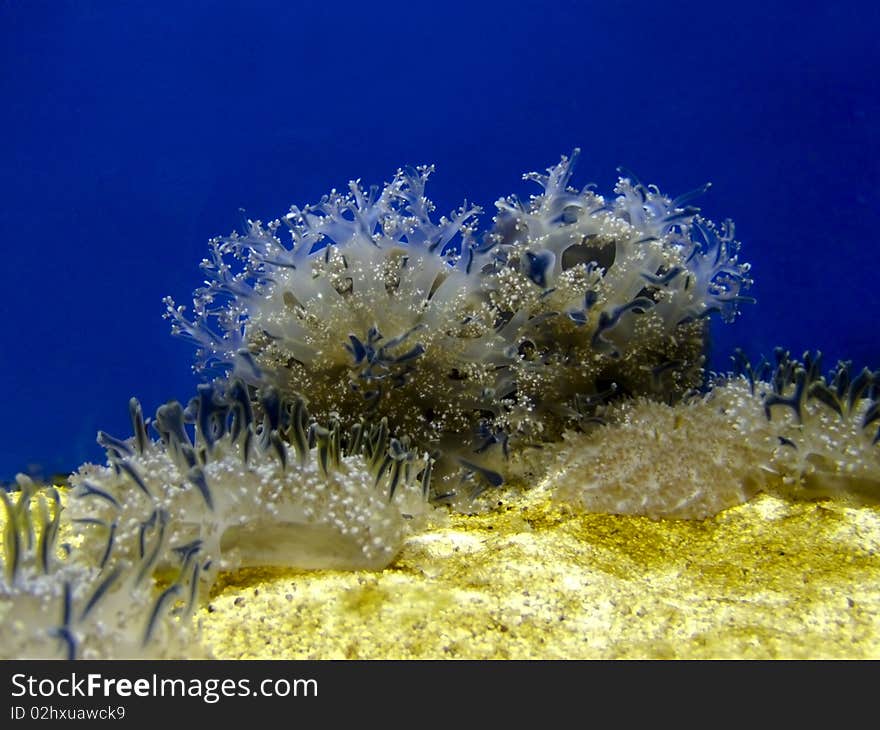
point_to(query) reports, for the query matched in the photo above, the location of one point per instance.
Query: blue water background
(133, 131)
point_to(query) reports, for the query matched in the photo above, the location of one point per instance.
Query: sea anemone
(687, 461)
(370, 309)
(783, 428)
(229, 483)
(826, 427)
(230, 491)
(607, 297)
(63, 603)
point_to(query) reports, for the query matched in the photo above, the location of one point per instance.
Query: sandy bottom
(772, 578)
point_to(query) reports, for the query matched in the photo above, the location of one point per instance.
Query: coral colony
(370, 365)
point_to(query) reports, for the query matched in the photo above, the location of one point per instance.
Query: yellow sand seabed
(772, 578)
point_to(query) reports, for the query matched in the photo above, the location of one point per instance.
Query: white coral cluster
(363, 304)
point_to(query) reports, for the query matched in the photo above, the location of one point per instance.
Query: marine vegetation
(367, 364)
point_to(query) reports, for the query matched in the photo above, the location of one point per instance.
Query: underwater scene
(468, 330)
